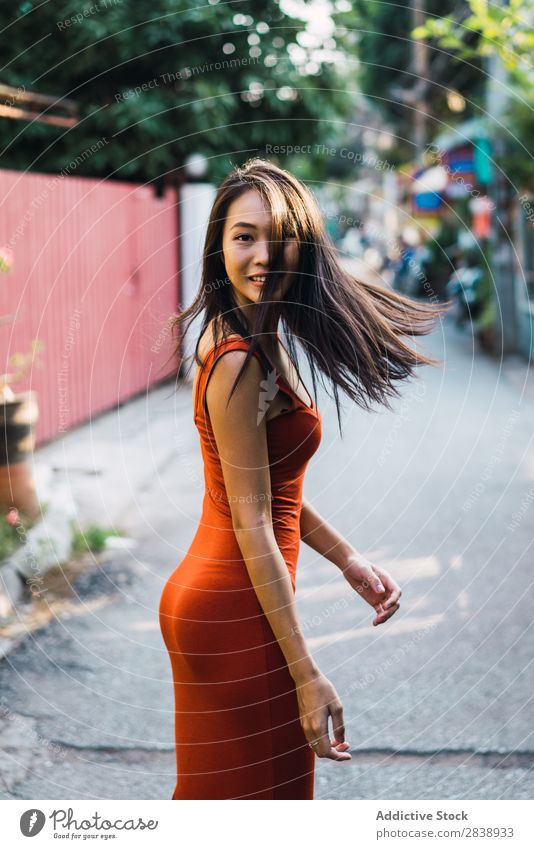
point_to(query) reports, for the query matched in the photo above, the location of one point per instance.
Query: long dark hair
(350, 330)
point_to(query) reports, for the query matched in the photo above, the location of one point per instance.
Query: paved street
(437, 701)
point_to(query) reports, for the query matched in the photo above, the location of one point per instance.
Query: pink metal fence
(95, 278)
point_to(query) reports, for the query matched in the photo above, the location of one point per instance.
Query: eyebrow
(244, 224)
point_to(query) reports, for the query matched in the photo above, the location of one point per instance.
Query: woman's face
(245, 244)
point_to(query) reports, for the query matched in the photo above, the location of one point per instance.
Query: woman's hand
(317, 700)
(375, 585)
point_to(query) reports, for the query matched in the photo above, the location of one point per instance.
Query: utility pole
(420, 69)
(501, 193)
(416, 96)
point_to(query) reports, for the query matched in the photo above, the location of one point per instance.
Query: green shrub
(91, 538)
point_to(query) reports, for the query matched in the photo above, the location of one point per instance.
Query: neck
(269, 336)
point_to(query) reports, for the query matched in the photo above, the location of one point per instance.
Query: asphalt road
(437, 701)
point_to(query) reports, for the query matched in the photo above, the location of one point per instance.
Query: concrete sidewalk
(108, 463)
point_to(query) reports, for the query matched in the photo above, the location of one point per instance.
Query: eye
(241, 235)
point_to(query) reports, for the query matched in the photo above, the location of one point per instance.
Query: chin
(252, 293)
(277, 295)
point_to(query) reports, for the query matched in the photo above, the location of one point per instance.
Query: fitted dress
(237, 728)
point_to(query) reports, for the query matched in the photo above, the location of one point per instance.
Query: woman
(252, 707)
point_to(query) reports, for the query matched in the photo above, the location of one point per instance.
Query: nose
(261, 253)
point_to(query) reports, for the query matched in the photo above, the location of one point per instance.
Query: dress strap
(204, 372)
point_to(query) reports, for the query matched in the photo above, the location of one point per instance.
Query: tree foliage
(381, 32)
(505, 31)
(160, 79)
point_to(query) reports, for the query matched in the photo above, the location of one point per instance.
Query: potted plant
(18, 415)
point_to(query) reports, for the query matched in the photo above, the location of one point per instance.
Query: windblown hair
(350, 330)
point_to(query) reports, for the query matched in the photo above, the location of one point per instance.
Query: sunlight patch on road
(389, 629)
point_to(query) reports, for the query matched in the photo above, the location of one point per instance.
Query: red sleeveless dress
(237, 728)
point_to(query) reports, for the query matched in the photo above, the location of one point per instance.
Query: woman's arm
(242, 448)
(375, 585)
(323, 537)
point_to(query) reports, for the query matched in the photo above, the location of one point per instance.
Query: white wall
(196, 200)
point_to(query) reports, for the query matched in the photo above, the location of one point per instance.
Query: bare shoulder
(209, 339)
(243, 405)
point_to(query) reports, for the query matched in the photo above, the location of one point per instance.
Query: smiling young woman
(252, 708)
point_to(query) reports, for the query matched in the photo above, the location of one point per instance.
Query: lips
(257, 279)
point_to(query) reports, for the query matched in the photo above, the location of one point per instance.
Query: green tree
(159, 79)
(486, 29)
(504, 30)
(379, 36)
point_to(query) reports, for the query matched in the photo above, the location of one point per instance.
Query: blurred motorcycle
(410, 270)
(464, 288)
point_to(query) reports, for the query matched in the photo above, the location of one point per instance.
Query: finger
(370, 579)
(320, 742)
(387, 579)
(392, 588)
(341, 747)
(321, 746)
(393, 598)
(381, 618)
(340, 756)
(375, 582)
(387, 614)
(338, 724)
(335, 754)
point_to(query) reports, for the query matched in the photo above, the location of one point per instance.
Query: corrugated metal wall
(95, 278)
